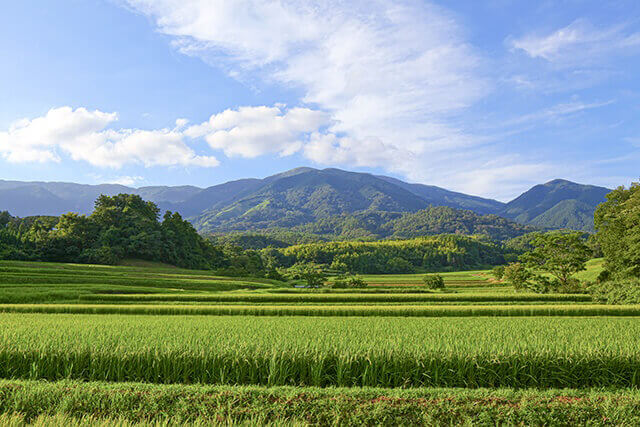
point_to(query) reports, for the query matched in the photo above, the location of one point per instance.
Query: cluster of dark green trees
(374, 225)
(120, 227)
(434, 253)
(618, 224)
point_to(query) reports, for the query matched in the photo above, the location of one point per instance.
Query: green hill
(557, 204)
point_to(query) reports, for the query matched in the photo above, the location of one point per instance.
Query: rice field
(539, 310)
(98, 345)
(336, 298)
(323, 351)
(71, 403)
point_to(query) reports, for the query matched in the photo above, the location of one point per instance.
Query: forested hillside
(320, 200)
(557, 204)
(400, 256)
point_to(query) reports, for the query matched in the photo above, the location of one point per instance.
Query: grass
(408, 310)
(216, 350)
(594, 267)
(382, 352)
(74, 403)
(336, 298)
(452, 278)
(26, 282)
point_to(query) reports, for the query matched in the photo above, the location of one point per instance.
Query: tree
(517, 275)
(5, 218)
(346, 282)
(558, 254)
(313, 275)
(433, 281)
(498, 272)
(618, 224)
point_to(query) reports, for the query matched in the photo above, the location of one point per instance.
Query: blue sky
(485, 97)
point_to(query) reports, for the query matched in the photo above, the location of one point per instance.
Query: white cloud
(502, 177)
(392, 78)
(84, 135)
(127, 181)
(556, 112)
(255, 131)
(578, 43)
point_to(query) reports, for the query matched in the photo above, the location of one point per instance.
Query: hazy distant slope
(168, 194)
(440, 197)
(55, 198)
(307, 195)
(31, 200)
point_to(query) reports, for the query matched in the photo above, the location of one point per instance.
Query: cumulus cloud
(392, 78)
(578, 42)
(255, 131)
(84, 135)
(127, 181)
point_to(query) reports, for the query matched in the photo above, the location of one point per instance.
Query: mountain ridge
(305, 195)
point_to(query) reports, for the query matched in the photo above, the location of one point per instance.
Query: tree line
(120, 227)
(125, 226)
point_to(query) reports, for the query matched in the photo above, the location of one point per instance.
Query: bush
(433, 281)
(273, 274)
(102, 255)
(617, 292)
(498, 272)
(348, 282)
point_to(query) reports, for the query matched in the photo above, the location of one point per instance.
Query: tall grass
(547, 310)
(338, 298)
(388, 352)
(70, 403)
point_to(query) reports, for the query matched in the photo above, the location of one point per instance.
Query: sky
(484, 97)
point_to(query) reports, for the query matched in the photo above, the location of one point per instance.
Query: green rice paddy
(98, 345)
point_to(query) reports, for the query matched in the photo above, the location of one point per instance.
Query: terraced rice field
(87, 345)
(323, 351)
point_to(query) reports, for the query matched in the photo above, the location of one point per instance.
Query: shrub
(347, 282)
(617, 292)
(498, 272)
(433, 281)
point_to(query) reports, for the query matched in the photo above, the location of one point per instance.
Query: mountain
(306, 195)
(557, 204)
(437, 196)
(22, 199)
(55, 198)
(309, 196)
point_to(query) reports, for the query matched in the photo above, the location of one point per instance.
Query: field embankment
(124, 404)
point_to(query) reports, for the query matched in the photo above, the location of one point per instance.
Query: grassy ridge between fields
(74, 403)
(381, 352)
(334, 298)
(333, 311)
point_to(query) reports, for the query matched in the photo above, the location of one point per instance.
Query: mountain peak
(305, 194)
(560, 181)
(557, 204)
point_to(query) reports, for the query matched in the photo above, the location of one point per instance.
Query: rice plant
(324, 351)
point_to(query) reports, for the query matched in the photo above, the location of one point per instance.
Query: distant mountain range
(305, 196)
